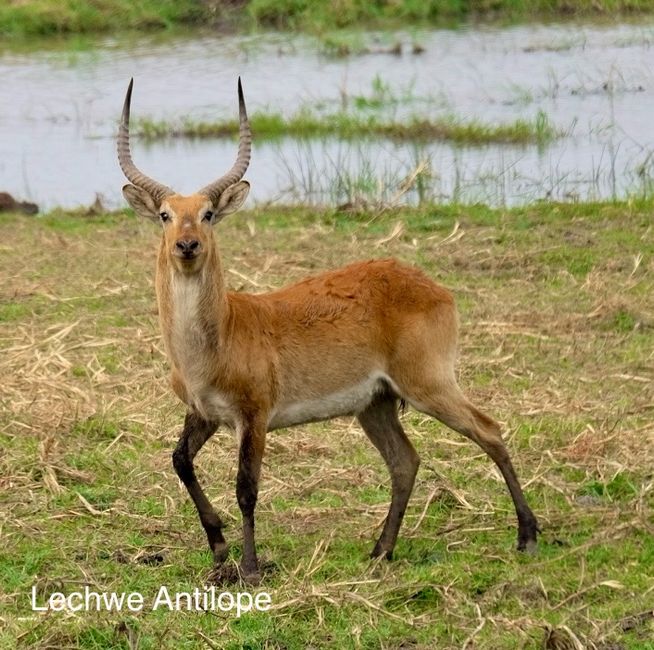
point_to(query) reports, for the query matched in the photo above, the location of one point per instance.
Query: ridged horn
(157, 191)
(215, 189)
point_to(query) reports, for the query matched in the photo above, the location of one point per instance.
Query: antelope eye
(164, 216)
(208, 215)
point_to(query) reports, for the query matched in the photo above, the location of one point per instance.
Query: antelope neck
(198, 308)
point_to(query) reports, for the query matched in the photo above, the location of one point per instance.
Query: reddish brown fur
(349, 341)
(264, 349)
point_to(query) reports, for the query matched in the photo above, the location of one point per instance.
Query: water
(58, 114)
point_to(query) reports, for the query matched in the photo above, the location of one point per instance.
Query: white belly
(349, 401)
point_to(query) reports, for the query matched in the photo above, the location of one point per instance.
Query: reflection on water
(58, 114)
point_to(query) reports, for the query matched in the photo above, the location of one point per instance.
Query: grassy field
(557, 311)
(19, 18)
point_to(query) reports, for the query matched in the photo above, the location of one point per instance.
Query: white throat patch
(188, 339)
(191, 354)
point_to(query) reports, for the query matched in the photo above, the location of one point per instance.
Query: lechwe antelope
(354, 341)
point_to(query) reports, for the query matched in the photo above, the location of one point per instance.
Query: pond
(595, 83)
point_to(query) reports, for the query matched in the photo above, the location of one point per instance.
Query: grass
(20, 18)
(46, 17)
(559, 350)
(305, 14)
(352, 126)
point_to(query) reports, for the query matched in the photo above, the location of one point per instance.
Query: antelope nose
(187, 247)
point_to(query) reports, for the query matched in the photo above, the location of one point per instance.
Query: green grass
(557, 340)
(351, 126)
(46, 17)
(20, 18)
(305, 14)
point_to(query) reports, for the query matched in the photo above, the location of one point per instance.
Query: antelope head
(187, 221)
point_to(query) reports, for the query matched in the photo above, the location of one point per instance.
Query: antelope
(355, 341)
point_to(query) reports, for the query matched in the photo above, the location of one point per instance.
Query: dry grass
(557, 342)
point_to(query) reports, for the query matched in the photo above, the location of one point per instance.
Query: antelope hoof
(250, 575)
(527, 535)
(379, 550)
(220, 552)
(529, 546)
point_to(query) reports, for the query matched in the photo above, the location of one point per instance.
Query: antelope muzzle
(187, 249)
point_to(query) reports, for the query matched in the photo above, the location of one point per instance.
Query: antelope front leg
(251, 449)
(195, 433)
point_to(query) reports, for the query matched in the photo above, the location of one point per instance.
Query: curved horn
(156, 190)
(215, 189)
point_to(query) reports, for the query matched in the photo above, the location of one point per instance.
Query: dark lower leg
(247, 489)
(483, 430)
(388, 538)
(527, 523)
(195, 433)
(381, 424)
(489, 438)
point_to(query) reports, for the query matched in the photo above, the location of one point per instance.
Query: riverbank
(50, 17)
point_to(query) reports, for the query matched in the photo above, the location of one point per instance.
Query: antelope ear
(141, 201)
(232, 199)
